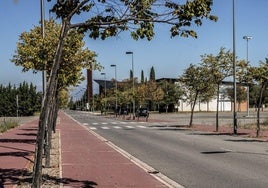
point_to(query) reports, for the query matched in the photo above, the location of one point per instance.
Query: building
(225, 104)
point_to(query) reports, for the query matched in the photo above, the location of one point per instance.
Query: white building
(225, 103)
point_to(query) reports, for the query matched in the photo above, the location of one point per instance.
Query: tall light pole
(234, 72)
(105, 101)
(115, 74)
(133, 99)
(44, 74)
(247, 38)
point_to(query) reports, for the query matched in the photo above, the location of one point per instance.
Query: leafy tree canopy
(32, 51)
(107, 18)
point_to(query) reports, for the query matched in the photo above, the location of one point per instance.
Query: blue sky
(169, 56)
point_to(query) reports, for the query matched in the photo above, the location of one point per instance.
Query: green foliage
(108, 18)
(29, 100)
(152, 74)
(197, 81)
(241, 94)
(63, 96)
(32, 51)
(220, 65)
(130, 74)
(171, 92)
(142, 76)
(258, 78)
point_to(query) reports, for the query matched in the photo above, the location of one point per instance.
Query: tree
(131, 75)
(142, 76)
(107, 19)
(259, 76)
(241, 94)
(196, 81)
(23, 100)
(220, 67)
(170, 94)
(152, 74)
(32, 50)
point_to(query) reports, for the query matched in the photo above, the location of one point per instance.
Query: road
(192, 159)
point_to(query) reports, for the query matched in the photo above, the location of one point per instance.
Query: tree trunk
(50, 126)
(258, 109)
(54, 123)
(192, 110)
(217, 110)
(37, 169)
(48, 139)
(166, 108)
(52, 115)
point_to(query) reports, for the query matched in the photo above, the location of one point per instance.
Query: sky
(169, 56)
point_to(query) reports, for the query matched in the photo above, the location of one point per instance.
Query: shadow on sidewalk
(11, 140)
(23, 176)
(27, 134)
(9, 177)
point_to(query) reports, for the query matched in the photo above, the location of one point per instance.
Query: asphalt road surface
(190, 158)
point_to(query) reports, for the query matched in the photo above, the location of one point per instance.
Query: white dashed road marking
(141, 126)
(130, 127)
(117, 127)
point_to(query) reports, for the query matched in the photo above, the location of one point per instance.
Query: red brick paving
(16, 151)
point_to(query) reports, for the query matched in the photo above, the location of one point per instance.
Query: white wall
(224, 105)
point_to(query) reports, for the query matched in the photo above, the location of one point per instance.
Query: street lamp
(113, 65)
(105, 101)
(133, 100)
(44, 73)
(234, 73)
(247, 38)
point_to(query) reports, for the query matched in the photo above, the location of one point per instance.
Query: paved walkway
(87, 161)
(16, 151)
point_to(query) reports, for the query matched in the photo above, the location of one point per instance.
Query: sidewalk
(16, 151)
(87, 161)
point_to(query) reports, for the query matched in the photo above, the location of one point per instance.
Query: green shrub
(6, 125)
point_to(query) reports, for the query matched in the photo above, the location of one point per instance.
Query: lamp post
(234, 73)
(44, 73)
(105, 101)
(115, 74)
(247, 38)
(133, 100)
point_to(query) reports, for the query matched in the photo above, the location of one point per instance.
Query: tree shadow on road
(172, 129)
(215, 152)
(246, 140)
(218, 134)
